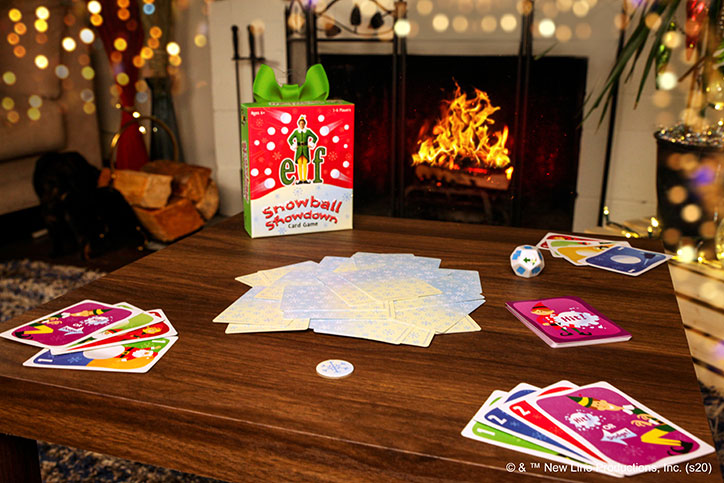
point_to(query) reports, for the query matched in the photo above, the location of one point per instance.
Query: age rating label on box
(297, 167)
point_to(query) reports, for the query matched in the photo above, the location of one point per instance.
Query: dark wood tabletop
(251, 406)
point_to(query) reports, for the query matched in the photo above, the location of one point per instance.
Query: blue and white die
(527, 261)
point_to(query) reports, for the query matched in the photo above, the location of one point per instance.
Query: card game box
(297, 166)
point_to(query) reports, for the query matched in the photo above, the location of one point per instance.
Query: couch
(60, 122)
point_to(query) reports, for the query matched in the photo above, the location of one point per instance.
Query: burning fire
(462, 136)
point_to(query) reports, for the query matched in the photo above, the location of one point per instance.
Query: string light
(173, 48)
(41, 61)
(42, 12)
(68, 44)
(15, 15)
(87, 36)
(94, 7)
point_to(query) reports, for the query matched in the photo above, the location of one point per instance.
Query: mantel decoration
(690, 154)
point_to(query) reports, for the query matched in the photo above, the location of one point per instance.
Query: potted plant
(690, 154)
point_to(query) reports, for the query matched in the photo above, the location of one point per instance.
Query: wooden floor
(700, 294)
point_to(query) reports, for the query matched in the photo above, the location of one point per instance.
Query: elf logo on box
(302, 141)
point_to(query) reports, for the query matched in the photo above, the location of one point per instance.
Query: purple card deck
(566, 322)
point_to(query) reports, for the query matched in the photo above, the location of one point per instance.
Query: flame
(462, 135)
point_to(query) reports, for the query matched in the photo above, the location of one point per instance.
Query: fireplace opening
(461, 161)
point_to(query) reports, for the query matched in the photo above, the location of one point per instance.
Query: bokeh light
(41, 61)
(120, 44)
(41, 25)
(155, 32)
(564, 33)
(13, 38)
(96, 20)
(116, 57)
(440, 22)
(122, 79)
(460, 23)
(661, 99)
(15, 15)
(672, 39)
(94, 7)
(20, 28)
(35, 101)
(424, 7)
(138, 61)
(62, 71)
(87, 36)
(686, 254)
(489, 23)
(89, 108)
(8, 103)
(149, 8)
(68, 44)
(19, 51)
(508, 22)
(547, 27)
(13, 117)
(87, 72)
(580, 8)
(42, 12)
(200, 39)
(564, 5)
(124, 14)
(146, 53)
(402, 28)
(173, 48)
(524, 7)
(87, 95)
(34, 113)
(84, 59)
(691, 213)
(174, 60)
(153, 43)
(666, 80)
(41, 38)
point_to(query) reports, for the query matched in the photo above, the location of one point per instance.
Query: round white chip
(334, 368)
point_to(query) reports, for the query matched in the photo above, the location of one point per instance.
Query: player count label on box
(297, 167)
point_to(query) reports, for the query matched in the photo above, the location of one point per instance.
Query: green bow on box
(315, 87)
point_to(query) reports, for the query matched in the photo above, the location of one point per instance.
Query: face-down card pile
(397, 298)
(592, 428)
(96, 336)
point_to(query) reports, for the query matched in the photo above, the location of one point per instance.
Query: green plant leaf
(665, 20)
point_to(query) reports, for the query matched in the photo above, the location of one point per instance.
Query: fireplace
(537, 177)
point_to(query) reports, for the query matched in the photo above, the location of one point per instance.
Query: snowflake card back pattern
(566, 321)
(297, 167)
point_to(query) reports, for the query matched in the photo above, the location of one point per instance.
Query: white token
(334, 369)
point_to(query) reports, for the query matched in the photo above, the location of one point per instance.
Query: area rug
(25, 284)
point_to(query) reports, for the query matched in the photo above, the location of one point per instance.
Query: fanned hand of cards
(614, 256)
(592, 428)
(95, 336)
(394, 298)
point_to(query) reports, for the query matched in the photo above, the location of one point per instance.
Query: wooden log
(188, 181)
(209, 202)
(171, 222)
(146, 190)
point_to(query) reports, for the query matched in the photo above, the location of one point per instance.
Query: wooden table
(239, 407)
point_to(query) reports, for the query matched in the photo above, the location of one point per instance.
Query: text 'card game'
(595, 428)
(397, 298)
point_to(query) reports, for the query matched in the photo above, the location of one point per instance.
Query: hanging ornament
(696, 13)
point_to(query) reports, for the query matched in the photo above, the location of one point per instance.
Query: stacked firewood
(170, 199)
